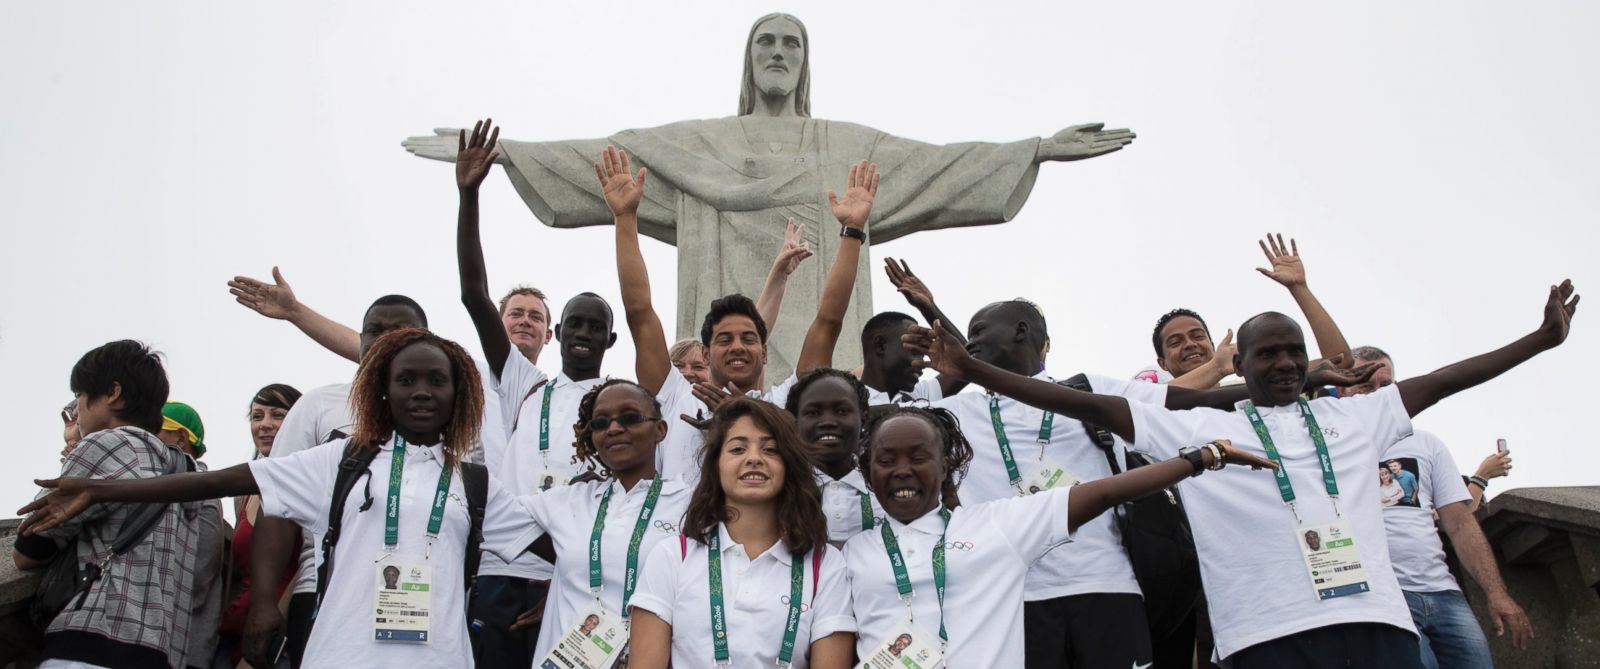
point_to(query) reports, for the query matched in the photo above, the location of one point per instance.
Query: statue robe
(723, 200)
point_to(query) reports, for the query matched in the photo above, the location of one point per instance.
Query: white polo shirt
(676, 588)
(841, 503)
(298, 487)
(988, 549)
(926, 389)
(1255, 575)
(678, 456)
(1414, 544)
(1097, 562)
(567, 514)
(520, 466)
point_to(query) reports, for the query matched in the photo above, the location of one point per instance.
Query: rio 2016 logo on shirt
(804, 607)
(960, 546)
(665, 526)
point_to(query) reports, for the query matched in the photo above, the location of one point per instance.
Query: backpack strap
(517, 417)
(475, 479)
(356, 464)
(145, 517)
(1099, 436)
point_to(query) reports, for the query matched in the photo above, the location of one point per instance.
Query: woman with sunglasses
(752, 582)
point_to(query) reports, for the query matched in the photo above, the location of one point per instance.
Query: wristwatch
(854, 233)
(1192, 454)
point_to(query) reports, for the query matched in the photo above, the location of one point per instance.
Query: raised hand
(1222, 357)
(441, 145)
(1498, 464)
(859, 193)
(941, 351)
(912, 288)
(1285, 261)
(68, 497)
(623, 191)
(476, 155)
(1558, 311)
(275, 300)
(795, 249)
(1084, 141)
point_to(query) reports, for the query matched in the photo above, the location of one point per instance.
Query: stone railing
(17, 647)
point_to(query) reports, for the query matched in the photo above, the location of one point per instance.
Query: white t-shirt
(298, 487)
(841, 503)
(520, 466)
(1254, 572)
(926, 389)
(1414, 545)
(988, 549)
(1097, 562)
(567, 515)
(321, 415)
(678, 456)
(676, 588)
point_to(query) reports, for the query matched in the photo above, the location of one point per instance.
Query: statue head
(776, 64)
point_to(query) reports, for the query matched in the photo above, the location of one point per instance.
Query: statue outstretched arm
(474, 159)
(443, 145)
(1083, 141)
(852, 212)
(623, 191)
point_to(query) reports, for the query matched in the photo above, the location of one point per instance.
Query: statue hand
(475, 156)
(1084, 141)
(275, 300)
(441, 145)
(795, 249)
(861, 190)
(622, 191)
(1285, 260)
(915, 291)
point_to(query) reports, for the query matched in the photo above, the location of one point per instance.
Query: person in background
(689, 358)
(69, 429)
(181, 428)
(1498, 464)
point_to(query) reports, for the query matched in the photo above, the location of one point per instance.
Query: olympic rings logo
(665, 526)
(960, 546)
(804, 607)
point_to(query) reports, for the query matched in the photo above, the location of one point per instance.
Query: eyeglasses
(69, 416)
(627, 420)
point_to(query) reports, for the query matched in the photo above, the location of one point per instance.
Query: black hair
(1155, 336)
(957, 450)
(1038, 332)
(134, 367)
(584, 450)
(610, 319)
(882, 322)
(732, 305)
(277, 395)
(400, 301)
(792, 403)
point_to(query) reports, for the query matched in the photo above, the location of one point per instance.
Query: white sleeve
(658, 583)
(299, 486)
(1133, 391)
(1385, 412)
(496, 430)
(831, 609)
(1033, 524)
(299, 429)
(517, 378)
(508, 527)
(1445, 479)
(928, 388)
(1162, 432)
(779, 395)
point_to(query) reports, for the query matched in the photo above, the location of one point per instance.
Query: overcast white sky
(1436, 161)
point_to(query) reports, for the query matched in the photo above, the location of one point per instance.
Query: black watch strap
(855, 233)
(1195, 459)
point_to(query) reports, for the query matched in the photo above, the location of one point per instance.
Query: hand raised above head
(861, 189)
(623, 191)
(794, 251)
(1285, 261)
(274, 300)
(1558, 311)
(917, 293)
(476, 154)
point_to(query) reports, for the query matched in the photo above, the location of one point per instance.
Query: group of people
(695, 513)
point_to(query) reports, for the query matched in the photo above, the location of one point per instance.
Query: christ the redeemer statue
(722, 189)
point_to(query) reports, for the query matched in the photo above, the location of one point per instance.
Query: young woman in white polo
(940, 581)
(753, 581)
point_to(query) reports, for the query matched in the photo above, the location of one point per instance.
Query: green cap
(182, 417)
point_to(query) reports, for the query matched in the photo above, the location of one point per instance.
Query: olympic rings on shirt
(665, 526)
(962, 546)
(804, 607)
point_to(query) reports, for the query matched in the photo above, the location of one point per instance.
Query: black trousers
(496, 603)
(297, 627)
(1086, 632)
(1363, 645)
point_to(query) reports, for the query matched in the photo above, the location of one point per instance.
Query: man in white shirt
(1448, 633)
(1278, 599)
(887, 368)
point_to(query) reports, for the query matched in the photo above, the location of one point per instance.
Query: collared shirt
(567, 514)
(677, 455)
(142, 601)
(841, 503)
(1097, 562)
(1255, 575)
(520, 465)
(926, 389)
(1414, 544)
(299, 487)
(676, 588)
(988, 549)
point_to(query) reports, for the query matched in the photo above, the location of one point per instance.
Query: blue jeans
(1449, 634)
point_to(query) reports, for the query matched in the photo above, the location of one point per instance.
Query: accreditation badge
(1046, 476)
(594, 643)
(1332, 560)
(548, 478)
(907, 647)
(403, 596)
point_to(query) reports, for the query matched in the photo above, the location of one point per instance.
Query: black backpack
(357, 464)
(1156, 535)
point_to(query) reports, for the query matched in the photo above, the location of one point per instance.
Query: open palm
(1285, 260)
(859, 193)
(622, 190)
(476, 155)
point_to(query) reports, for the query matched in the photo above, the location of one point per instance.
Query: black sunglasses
(627, 420)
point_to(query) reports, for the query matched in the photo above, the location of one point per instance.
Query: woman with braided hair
(940, 580)
(830, 408)
(418, 404)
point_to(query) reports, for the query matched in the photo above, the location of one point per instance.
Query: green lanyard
(902, 580)
(1005, 442)
(867, 519)
(1285, 488)
(391, 521)
(544, 429)
(630, 579)
(719, 617)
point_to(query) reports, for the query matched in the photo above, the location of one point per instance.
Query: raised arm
(623, 191)
(1089, 500)
(948, 357)
(71, 496)
(1424, 391)
(1287, 270)
(474, 158)
(794, 251)
(277, 301)
(920, 297)
(852, 212)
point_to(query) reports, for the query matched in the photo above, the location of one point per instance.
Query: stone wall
(17, 647)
